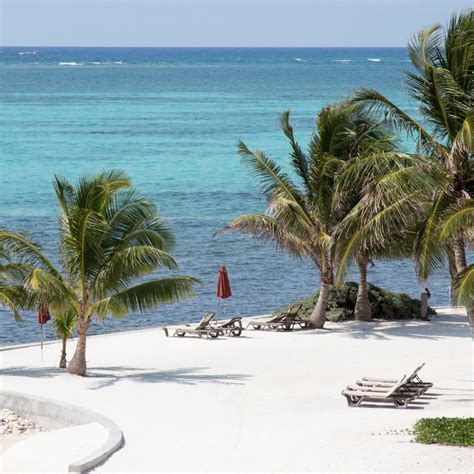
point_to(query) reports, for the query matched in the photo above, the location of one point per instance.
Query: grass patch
(451, 431)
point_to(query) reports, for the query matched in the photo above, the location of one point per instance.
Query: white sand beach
(264, 401)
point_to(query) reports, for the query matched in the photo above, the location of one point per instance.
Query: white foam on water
(27, 53)
(343, 61)
(72, 63)
(374, 60)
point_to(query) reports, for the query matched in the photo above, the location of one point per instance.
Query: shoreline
(10, 347)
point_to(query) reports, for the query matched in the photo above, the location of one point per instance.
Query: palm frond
(147, 296)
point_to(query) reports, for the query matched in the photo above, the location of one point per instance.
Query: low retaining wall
(54, 415)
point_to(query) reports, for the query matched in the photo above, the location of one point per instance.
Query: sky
(246, 23)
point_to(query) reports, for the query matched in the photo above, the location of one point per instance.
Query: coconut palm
(12, 276)
(441, 177)
(458, 221)
(110, 237)
(303, 210)
(64, 325)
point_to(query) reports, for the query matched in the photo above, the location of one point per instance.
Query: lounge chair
(395, 394)
(296, 319)
(202, 329)
(413, 382)
(283, 321)
(233, 327)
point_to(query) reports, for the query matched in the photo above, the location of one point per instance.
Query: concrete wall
(53, 415)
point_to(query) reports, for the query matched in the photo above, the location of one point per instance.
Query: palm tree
(303, 212)
(64, 325)
(455, 222)
(356, 237)
(110, 237)
(12, 276)
(428, 187)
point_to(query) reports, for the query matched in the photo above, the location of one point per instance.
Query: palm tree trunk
(459, 255)
(461, 264)
(362, 310)
(318, 316)
(470, 317)
(78, 365)
(62, 362)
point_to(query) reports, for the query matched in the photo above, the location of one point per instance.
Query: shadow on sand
(108, 376)
(439, 327)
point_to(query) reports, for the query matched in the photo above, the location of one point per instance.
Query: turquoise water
(171, 118)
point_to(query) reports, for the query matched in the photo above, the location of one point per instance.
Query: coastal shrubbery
(450, 431)
(384, 304)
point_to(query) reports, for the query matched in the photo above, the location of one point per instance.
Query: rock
(3, 429)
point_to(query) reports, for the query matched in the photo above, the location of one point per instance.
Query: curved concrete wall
(53, 414)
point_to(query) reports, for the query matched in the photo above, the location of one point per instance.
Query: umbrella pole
(218, 308)
(42, 334)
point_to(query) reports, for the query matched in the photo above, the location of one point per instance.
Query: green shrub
(385, 304)
(452, 431)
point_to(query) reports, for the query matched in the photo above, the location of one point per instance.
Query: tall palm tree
(303, 211)
(64, 325)
(441, 177)
(110, 237)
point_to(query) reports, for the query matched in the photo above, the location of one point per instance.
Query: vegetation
(355, 197)
(303, 212)
(342, 303)
(433, 189)
(450, 431)
(110, 237)
(64, 325)
(12, 277)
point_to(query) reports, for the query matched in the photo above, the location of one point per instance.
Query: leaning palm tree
(302, 212)
(64, 325)
(442, 177)
(110, 237)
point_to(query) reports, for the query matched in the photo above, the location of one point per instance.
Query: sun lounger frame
(397, 395)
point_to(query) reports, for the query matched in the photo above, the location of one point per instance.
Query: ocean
(171, 117)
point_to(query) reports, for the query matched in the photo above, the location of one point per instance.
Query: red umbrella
(43, 318)
(43, 315)
(223, 286)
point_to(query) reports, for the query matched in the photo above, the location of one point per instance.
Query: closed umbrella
(223, 287)
(43, 318)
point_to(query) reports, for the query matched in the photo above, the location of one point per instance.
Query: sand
(265, 401)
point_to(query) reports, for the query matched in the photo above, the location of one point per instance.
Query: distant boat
(28, 53)
(374, 60)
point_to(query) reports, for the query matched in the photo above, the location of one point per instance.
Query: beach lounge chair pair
(232, 327)
(282, 322)
(399, 392)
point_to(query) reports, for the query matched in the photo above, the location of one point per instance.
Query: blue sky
(219, 22)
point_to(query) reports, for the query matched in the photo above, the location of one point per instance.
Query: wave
(118, 62)
(28, 53)
(374, 60)
(301, 60)
(72, 63)
(344, 61)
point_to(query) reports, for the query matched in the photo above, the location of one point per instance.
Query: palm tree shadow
(186, 376)
(109, 376)
(438, 328)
